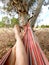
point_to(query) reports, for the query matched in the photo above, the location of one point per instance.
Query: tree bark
(36, 13)
(23, 17)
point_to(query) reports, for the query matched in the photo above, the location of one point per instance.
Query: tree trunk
(36, 13)
(23, 18)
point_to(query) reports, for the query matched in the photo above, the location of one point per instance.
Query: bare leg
(21, 56)
(18, 55)
(12, 57)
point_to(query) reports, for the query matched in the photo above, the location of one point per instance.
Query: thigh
(11, 59)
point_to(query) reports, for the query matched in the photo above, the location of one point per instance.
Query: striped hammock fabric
(35, 54)
(4, 58)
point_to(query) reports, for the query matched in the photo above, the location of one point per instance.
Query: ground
(43, 39)
(7, 40)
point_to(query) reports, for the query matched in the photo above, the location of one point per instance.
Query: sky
(4, 13)
(43, 17)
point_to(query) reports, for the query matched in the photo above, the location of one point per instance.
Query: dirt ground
(43, 38)
(7, 40)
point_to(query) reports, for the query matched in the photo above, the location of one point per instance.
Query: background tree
(25, 9)
(14, 21)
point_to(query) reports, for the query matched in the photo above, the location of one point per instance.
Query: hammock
(4, 58)
(35, 54)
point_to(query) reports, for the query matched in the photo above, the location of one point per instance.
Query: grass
(2, 24)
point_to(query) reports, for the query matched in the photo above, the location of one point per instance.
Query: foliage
(43, 26)
(4, 19)
(20, 5)
(13, 22)
(2, 24)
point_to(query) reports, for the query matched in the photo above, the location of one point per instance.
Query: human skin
(21, 55)
(18, 55)
(12, 58)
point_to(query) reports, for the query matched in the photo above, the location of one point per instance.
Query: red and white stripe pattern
(37, 56)
(4, 58)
